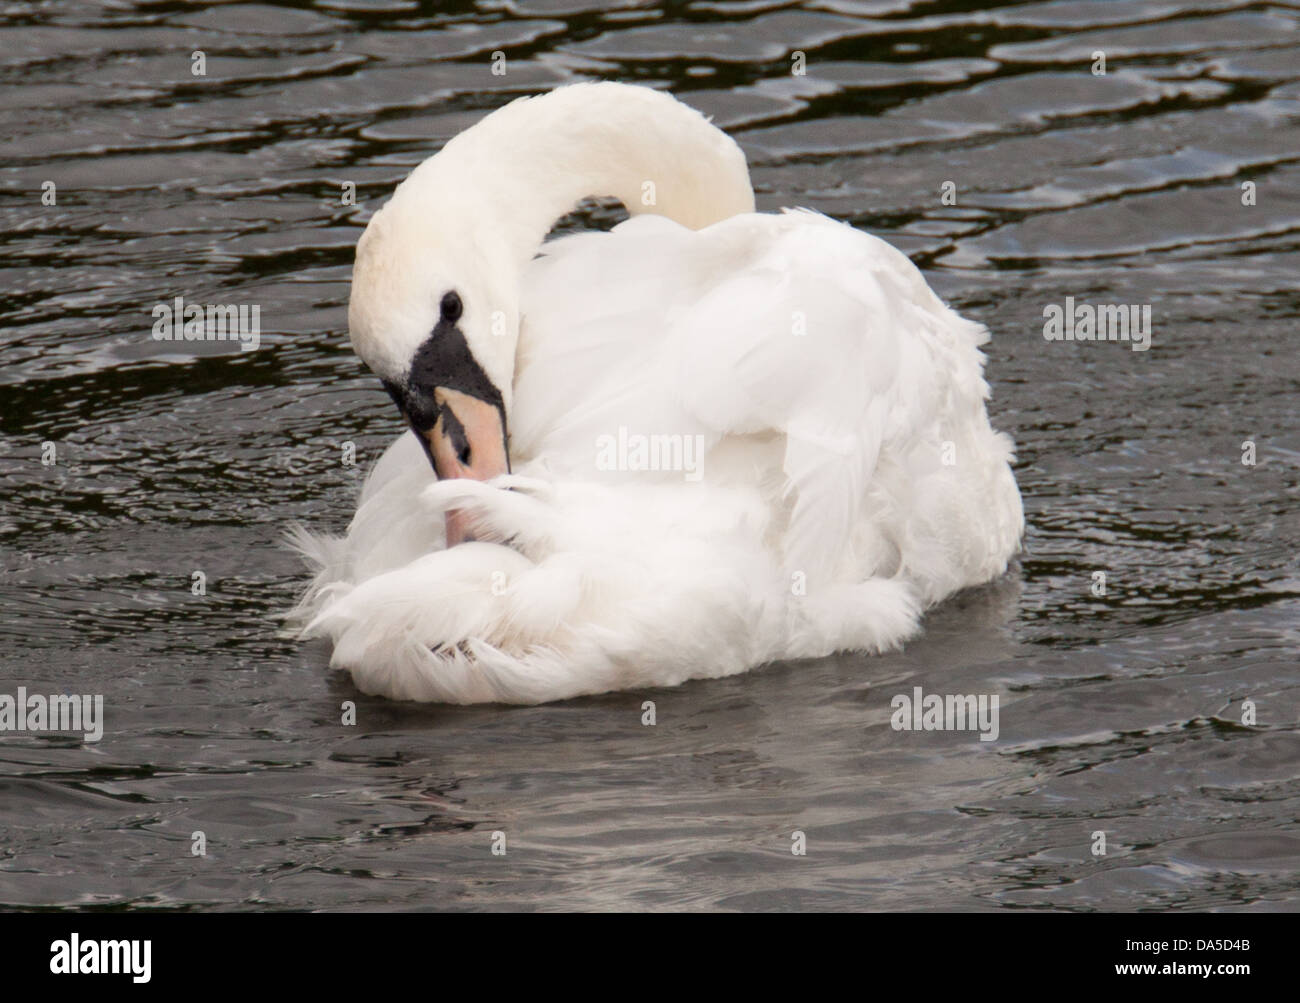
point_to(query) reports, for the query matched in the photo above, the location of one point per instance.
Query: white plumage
(848, 476)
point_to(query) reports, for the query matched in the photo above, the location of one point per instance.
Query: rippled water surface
(1121, 713)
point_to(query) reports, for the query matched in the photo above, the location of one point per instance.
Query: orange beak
(468, 439)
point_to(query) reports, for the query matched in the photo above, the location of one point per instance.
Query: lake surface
(1121, 713)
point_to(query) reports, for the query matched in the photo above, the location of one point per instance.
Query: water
(1120, 713)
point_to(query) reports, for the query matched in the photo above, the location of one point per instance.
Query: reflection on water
(1120, 712)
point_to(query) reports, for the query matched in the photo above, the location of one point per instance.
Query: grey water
(1163, 714)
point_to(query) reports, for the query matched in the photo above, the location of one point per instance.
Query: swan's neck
(526, 165)
(472, 217)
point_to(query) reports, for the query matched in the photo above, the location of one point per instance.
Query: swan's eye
(452, 307)
(463, 455)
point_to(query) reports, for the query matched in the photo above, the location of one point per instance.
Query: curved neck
(472, 216)
(529, 163)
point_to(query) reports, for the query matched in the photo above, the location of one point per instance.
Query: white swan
(832, 470)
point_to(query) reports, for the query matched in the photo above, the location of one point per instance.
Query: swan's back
(814, 361)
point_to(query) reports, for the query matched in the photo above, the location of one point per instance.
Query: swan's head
(433, 314)
(435, 291)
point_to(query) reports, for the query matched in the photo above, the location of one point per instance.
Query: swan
(705, 440)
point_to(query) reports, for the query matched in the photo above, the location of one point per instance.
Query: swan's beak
(466, 439)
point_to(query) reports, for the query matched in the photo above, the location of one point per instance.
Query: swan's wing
(592, 346)
(791, 324)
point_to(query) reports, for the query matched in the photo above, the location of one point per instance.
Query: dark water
(1120, 713)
